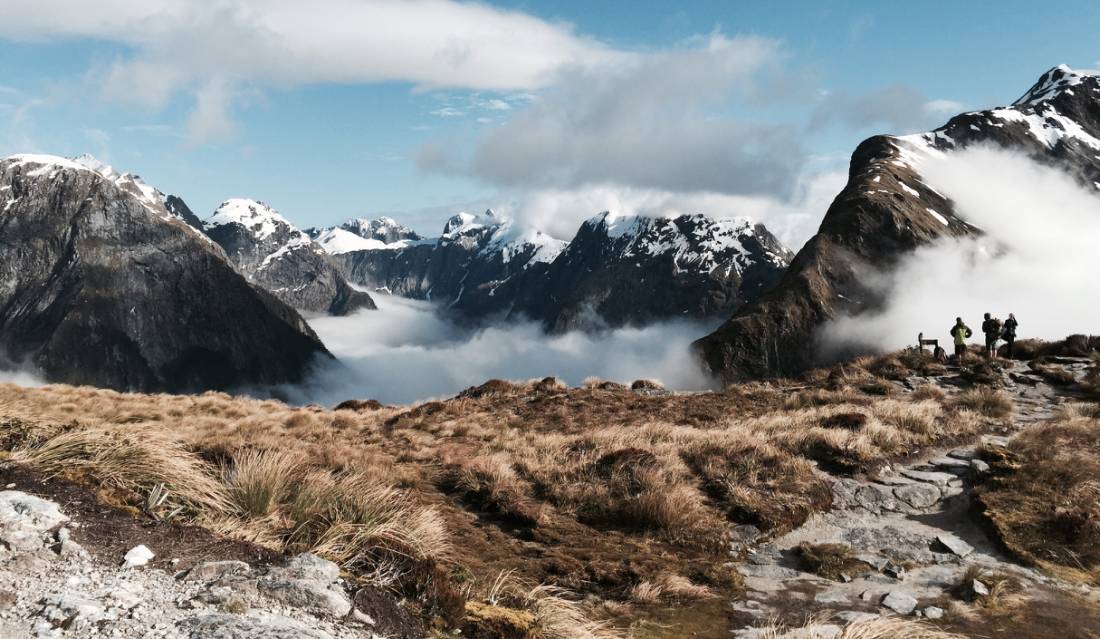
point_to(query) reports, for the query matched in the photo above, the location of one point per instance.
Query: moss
(486, 621)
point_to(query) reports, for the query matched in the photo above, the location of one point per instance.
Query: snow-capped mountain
(474, 255)
(886, 210)
(488, 265)
(625, 269)
(274, 254)
(361, 234)
(100, 284)
(382, 229)
(163, 206)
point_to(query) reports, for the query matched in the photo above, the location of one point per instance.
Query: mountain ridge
(100, 285)
(885, 211)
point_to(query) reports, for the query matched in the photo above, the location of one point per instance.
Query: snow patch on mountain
(260, 219)
(151, 198)
(697, 242)
(336, 241)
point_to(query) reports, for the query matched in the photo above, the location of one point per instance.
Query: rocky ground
(51, 586)
(910, 530)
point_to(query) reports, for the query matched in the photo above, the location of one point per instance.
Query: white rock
(138, 556)
(24, 519)
(933, 612)
(955, 545)
(900, 602)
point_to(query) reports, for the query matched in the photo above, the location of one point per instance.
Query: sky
(549, 111)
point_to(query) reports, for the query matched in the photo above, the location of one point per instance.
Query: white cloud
(899, 108)
(211, 118)
(448, 112)
(1038, 258)
(21, 378)
(944, 107)
(211, 46)
(405, 352)
(659, 121)
(559, 212)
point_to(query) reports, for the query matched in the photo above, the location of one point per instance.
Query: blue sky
(548, 109)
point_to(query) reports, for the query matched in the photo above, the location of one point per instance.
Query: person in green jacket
(960, 332)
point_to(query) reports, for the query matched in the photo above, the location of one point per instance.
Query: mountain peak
(254, 215)
(1052, 83)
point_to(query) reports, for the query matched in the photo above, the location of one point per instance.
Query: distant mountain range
(108, 281)
(616, 271)
(886, 210)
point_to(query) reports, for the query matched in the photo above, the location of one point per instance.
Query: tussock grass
(881, 628)
(832, 561)
(1044, 498)
(355, 521)
(258, 480)
(986, 401)
(137, 459)
(668, 588)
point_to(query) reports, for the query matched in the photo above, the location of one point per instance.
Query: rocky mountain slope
(621, 270)
(272, 253)
(617, 270)
(886, 210)
(101, 284)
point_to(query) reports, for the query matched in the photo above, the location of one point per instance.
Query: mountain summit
(886, 211)
(273, 253)
(101, 284)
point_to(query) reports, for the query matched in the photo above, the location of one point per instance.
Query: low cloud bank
(1039, 258)
(21, 378)
(405, 352)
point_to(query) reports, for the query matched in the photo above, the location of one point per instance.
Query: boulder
(309, 594)
(900, 602)
(955, 545)
(25, 520)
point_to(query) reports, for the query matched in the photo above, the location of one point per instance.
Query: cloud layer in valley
(1037, 259)
(405, 352)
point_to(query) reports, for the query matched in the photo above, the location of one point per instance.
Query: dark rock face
(98, 287)
(275, 255)
(616, 271)
(886, 211)
(178, 208)
(473, 268)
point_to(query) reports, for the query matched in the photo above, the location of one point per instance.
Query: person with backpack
(992, 329)
(960, 332)
(1008, 333)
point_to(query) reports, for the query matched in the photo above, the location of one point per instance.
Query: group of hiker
(994, 329)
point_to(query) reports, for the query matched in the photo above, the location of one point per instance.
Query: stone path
(910, 528)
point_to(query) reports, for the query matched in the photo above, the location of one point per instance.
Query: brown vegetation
(1044, 497)
(832, 561)
(627, 495)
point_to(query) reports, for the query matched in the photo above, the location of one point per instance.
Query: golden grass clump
(135, 459)
(985, 401)
(356, 522)
(1044, 495)
(880, 628)
(259, 479)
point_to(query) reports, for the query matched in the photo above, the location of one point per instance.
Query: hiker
(992, 329)
(960, 332)
(1008, 333)
(939, 355)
